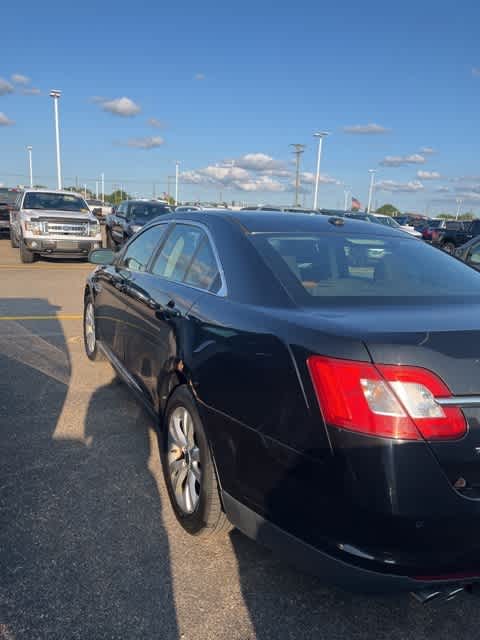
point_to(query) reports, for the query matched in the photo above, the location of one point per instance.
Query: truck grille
(60, 227)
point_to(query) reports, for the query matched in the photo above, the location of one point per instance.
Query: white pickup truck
(53, 223)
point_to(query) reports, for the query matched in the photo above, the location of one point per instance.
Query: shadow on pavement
(83, 552)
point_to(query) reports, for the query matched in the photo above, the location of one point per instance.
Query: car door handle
(167, 311)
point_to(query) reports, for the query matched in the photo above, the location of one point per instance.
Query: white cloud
(4, 121)
(233, 177)
(199, 76)
(17, 78)
(428, 175)
(426, 151)
(5, 87)
(156, 124)
(442, 189)
(119, 106)
(225, 174)
(392, 186)
(309, 178)
(31, 91)
(398, 161)
(476, 72)
(257, 162)
(366, 129)
(262, 183)
(144, 143)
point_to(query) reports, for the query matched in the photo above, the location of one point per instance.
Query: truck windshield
(8, 196)
(55, 201)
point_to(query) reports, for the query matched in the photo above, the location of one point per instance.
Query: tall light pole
(30, 166)
(177, 164)
(372, 173)
(299, 149)
(346, 193)
(55, 94)
(96, 189)
(320, 135)
(103, 187)
(459, 202)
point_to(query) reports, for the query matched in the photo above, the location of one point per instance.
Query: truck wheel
(449, 247)
(25, 254)
(13, 239)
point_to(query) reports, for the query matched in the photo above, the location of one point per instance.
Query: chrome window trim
(459, 401)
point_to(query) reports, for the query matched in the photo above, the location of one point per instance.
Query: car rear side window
(318, 268)
(187, 257)
(138, 253)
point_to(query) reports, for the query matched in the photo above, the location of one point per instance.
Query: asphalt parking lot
(89, 547)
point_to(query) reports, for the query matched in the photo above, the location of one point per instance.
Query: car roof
(57, 191)
(253, 222)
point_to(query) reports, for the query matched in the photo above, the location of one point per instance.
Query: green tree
(446, 216)
(468, 215)
(388, 210)
(116, 196)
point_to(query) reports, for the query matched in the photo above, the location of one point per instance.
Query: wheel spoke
(175, 467)
(178, 481)
(191, 497)
(195, 471)
(195, 454)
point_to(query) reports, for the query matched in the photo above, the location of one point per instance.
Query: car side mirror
(102, 256)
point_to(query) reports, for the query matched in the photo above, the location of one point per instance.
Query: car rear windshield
(145, 210)
(55, 201)
(435, 224)
(320, 268)
(8, 196)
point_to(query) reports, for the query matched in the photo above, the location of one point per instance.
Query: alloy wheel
(184, 460)
(90, 337)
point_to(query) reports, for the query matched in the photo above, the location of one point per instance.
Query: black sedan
(311, 385)
(129, 217)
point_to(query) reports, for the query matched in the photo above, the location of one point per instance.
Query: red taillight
(391, 401)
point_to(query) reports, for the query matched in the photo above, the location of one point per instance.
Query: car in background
(298, 372)
(7, 200)
(470, 253)
(366, 217)
(54, 224)
(99, 209)
(391, 222)
(187, 208)
(455, 234)
(129, 217)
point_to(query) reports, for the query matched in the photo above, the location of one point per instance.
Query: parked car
(53, 223)
(391, 222)
(187, 208)
(7, 200)
(311, 384)
(99, 209)
(366, 217)
(129, 217)
(429, 227)
(454, 234)
(470, 253)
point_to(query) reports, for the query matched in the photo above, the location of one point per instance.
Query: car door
(158, 309)
(113, 290)
(473, 256)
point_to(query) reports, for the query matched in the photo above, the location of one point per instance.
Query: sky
(226, 88)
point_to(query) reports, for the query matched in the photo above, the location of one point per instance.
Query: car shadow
(83, 551)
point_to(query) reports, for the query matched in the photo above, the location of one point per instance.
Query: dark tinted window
(435, 224)
(147, 210)
(140, 250)
(474, 255)
(203, 270)
(177, 252)
(454, 226)
(55, 201)
(318, 267)
(8, 196)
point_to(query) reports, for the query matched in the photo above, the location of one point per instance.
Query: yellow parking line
(64, 316)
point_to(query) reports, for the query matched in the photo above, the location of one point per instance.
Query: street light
(459, 202)
(346, 193)
(372, 173)
(299, 149)
(55, 94)
(320, 135)
(29, 149)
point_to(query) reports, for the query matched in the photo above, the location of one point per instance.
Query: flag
(356, 205)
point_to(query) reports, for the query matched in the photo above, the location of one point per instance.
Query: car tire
(13, 239)
(26, 256)
(189, 469)
(449, 247)
(90, 341)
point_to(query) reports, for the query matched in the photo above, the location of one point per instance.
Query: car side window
(474, 256)
(138, 253)
(176, 255)
(203, 270)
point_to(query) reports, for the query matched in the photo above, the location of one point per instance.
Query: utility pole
(103, 186)
(372, 173)
(85, 191)
(177, 164)
(55, 94)
(320, 135)
(96, 189)
(29, 149)
(299, 149)
(346, 193)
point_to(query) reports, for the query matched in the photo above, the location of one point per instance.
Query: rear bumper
(4, 224)
(331, 569)
(66, 246)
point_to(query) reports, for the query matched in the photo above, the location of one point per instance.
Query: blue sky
(231, 86)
